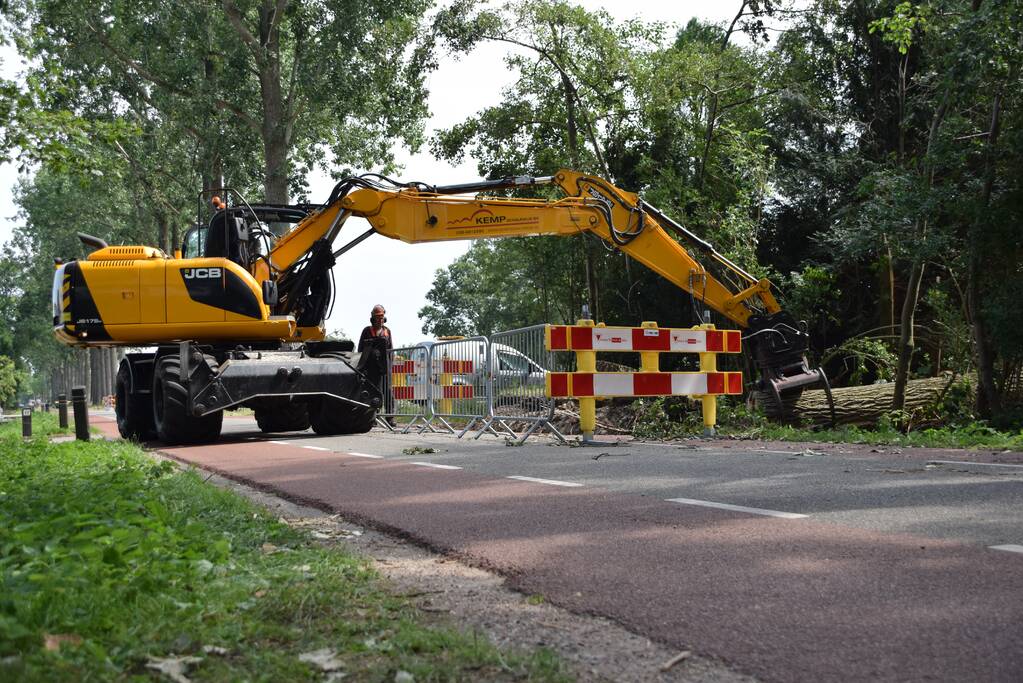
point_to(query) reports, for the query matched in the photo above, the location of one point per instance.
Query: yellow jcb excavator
(237, 316)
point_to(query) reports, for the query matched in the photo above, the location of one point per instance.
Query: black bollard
(81, 410)
(26, 422)
(62, 410)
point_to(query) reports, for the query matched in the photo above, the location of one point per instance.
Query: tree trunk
(916, 272)
(162, 233)
(87, 372)
(865, 405)
(572, 129)
(907, 340)
(275, 128)
(887, 298)
(988, 399)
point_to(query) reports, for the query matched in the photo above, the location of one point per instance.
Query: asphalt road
(785, 562)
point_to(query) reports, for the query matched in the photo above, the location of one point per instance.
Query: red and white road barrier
(637, 384)
(585, 339)
(665, 339)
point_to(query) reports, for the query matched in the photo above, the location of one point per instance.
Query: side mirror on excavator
(270, 293)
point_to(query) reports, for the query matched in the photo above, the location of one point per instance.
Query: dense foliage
(865, 160)
(865, 156)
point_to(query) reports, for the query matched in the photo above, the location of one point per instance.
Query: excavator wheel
(281, 415)
(171, 417)
(329, 417)
(134, 414)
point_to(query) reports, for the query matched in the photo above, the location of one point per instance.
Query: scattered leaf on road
(419, 450)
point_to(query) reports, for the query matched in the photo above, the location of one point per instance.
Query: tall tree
(296, 78)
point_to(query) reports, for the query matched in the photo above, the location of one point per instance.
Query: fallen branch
(680, 657)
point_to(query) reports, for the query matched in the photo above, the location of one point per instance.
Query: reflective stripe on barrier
(666, 339)
(625, 384)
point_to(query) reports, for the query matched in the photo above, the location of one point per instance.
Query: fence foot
(469, 426)
(554, 430)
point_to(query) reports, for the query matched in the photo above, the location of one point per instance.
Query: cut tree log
(865, 405)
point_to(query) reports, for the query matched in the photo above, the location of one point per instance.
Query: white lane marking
(978, 464)
(366, 455)
(316, 448)
(1008, 548)
(764, 450)
(737, 508)
(552, 482)
(281, 443)
(439, 467)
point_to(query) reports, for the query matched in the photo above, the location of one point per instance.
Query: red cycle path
(786, 600)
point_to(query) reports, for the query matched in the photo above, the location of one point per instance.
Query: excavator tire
(171, 417)
(282, 415)
(133, 411)
(330, 417)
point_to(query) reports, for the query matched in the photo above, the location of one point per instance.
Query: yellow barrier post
(649, 361)
(708, 363)
(446, 380)
(586, 361)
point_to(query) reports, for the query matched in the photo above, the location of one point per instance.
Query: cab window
(193, 243)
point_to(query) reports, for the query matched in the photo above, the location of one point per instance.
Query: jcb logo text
(200, 273)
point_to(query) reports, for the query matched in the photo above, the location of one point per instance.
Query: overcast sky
(386, 271)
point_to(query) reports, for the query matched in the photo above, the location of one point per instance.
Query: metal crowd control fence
(459, 381)
(407, 396)
(513, 379)
(518, 364)
(586, 384)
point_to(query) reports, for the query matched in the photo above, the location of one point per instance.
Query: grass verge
(657, 419)
(117, 567)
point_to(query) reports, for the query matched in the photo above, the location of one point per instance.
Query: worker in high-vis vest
(377, 329)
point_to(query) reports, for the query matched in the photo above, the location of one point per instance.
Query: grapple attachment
(779, 345)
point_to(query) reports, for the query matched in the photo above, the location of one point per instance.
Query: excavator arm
(423, 213)
(590, 205)
(439, 213)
